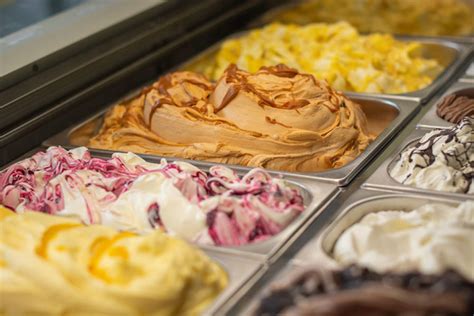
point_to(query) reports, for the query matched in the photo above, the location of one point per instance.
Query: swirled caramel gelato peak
(276, 118)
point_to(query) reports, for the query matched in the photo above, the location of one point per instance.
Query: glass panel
(18, 14)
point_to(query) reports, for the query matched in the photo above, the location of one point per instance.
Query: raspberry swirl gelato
(216, 207)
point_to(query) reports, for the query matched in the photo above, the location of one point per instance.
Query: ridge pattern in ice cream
(276, 118)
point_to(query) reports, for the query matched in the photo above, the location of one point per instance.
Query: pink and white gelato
(216, 207)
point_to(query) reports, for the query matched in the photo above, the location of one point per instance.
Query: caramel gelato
(276, 118)
(434, 17)
(51, 265)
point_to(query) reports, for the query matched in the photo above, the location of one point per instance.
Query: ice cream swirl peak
(277, 118)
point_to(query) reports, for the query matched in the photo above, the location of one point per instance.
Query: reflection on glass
(18, 14)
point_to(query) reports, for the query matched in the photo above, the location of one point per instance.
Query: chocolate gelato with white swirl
(441, 160)
(357, 291)
(453, 108)
(276, 118)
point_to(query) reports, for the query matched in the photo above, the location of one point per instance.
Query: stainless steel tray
(362, 202)
(449, 54)
(469, 72)
(381, 113)
(317, 252)
(243, 270)
(315, 195)
(431, 119)
(381, 178)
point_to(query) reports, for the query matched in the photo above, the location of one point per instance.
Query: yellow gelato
(414, 17)
(275, 118)
(375, 63)
(56, 266)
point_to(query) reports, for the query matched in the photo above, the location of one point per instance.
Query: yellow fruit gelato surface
(56, 266)
(414, 17)
(275, 118)
(376, 63)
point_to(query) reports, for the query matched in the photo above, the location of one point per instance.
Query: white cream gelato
(430, 239)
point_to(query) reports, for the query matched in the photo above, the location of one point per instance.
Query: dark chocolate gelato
(453, 108)
(358, 291)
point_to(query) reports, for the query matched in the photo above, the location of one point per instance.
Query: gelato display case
(260, 157)
(64, 55)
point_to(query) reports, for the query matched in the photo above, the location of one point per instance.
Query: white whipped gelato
(430, 239)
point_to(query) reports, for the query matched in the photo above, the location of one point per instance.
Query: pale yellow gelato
(415, 17)
(376, 63)
(275, 118)
(55, 266)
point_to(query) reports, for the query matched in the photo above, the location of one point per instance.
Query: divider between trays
(468, 74)
(250, 308)
(467, 80)
(243, 270)
(381, 179)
